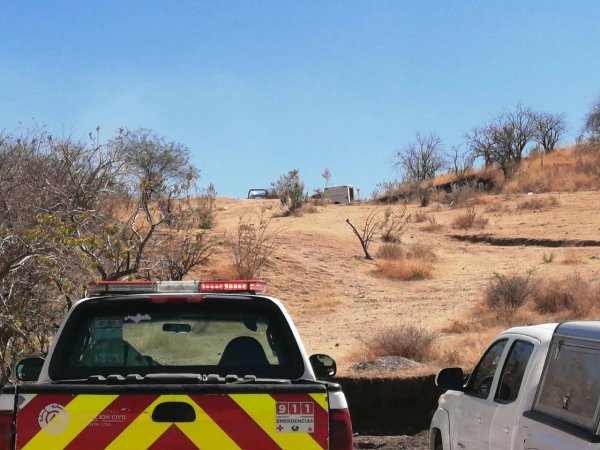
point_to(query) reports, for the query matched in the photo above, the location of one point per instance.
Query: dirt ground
(419, 441)
(338, 302)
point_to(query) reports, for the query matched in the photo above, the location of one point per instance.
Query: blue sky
(256, 88)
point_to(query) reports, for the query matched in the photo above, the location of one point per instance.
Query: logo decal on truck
(53, 419)
(295, 417)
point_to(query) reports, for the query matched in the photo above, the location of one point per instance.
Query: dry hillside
(344, 307)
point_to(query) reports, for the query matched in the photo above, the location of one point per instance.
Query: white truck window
(481, 379)
(571, 383)
(513, 372)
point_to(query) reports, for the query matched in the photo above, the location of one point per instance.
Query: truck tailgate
(207, 417)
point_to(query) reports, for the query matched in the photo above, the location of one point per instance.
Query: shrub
(432, 225)
(392, 225)
(538, 203)
(507, 293)
(253, 246)
(405, 269)
(290, 191)
(572, 294)
(420, 217)
(408, 341)
(548, 257)
(206, 211)
(424, 252)
(389, 251)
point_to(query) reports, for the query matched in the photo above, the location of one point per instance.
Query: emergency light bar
(172, 287)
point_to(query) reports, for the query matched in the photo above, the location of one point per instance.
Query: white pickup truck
(535, 388)
(175, 365)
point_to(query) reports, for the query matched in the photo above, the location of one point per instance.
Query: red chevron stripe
(111, 422)
(173, 439)
(29, 416)
(321, 433)
(235, 422)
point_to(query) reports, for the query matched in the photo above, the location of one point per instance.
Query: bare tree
(549, 128)
(461, 161)
(592, 123)
(481, 143)
(370, 227)
(504, 140)
(420, 159)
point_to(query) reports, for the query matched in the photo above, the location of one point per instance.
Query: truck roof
(542, 332)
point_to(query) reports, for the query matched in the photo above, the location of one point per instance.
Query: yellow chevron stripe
(261, 407)
(65, 426)
(143, 431)
(204, 432)
(321, 400)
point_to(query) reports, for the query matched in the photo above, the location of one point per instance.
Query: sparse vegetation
(469, 219)
(548, 257)
(393, 224)
(406, 269)
(420, 217)
(572, 257)
(409, 341)
(432, 225)
(205, 210)
(536, 202)
(253, 245)
(290, 191)
(507, 293)
(572, 294)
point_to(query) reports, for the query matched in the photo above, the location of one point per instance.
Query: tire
(438, 445)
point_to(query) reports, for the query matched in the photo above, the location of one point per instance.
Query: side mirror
(323, 365)
(450, 379)
(29, 369)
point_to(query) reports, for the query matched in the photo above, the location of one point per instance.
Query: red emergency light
(176, 287)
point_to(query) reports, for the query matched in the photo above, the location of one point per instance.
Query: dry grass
(567, 170)
(390, 251)
(421, 251)
(572, 294)
(572, 257)
(408, 341)
(323, 302)
(538, 203)
(405, 269)
(470, 219)
(548, 257)
(507, 293)
(432, 225)
(420, 217)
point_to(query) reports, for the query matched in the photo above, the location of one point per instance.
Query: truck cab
(535, 387)
(176, 365)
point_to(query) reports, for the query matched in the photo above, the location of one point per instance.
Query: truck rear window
(216, 336)
(570, 386)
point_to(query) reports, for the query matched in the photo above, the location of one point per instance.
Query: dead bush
(390, 251)
(408, 341)
(405, 269)
(507, 293)
(419, 250)
(392, 225)
(253, 246)
(205, 211)
(432, 225)
(538, 203)
(420, 217)
(469, 219)
(572, 293)
(548, 257)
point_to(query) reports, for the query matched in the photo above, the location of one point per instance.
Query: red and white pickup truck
(535, 388)
(175, 365)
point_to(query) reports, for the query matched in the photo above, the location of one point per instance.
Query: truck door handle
(174, 412)
(507, 430)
